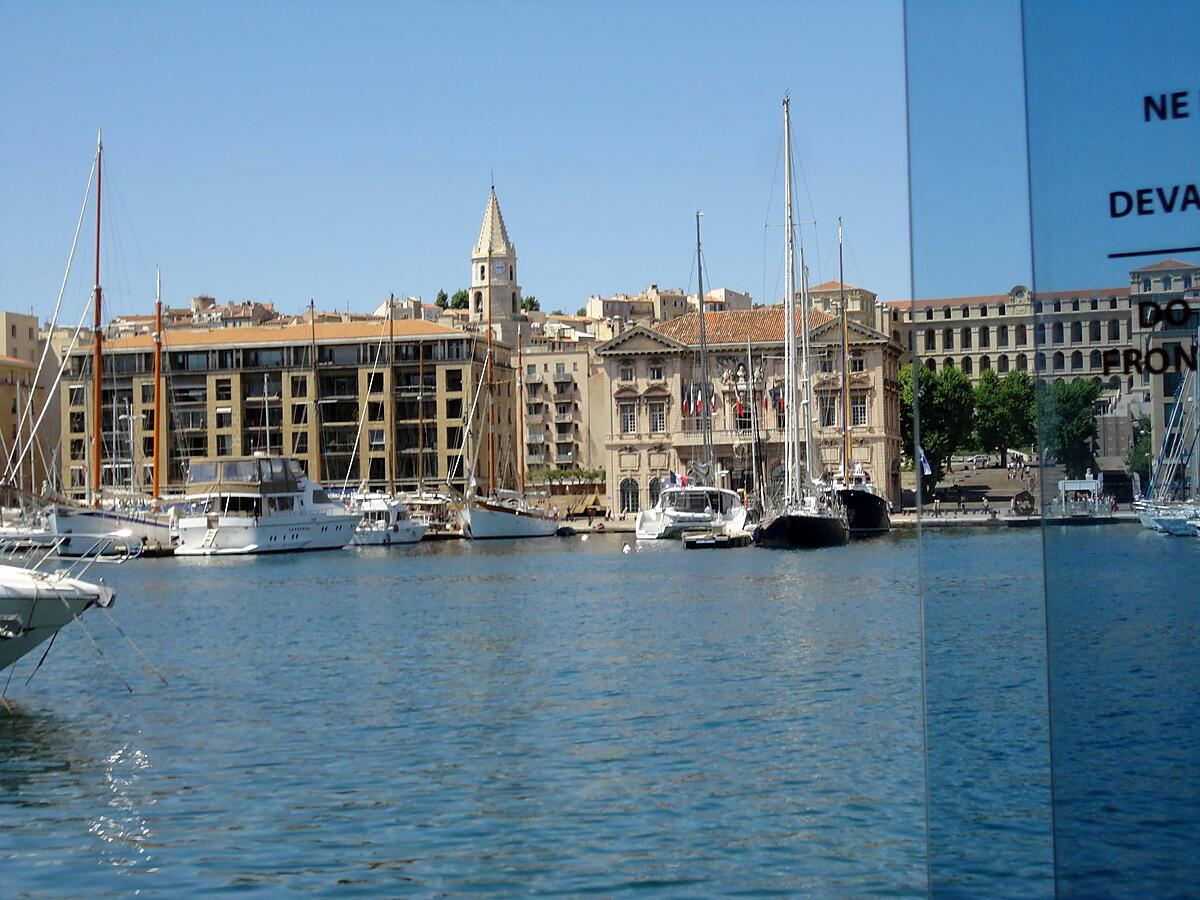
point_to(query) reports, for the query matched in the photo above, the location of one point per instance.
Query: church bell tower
(494, 275)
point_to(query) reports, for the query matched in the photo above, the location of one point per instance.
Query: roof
(763, 324)
(282, 334)
(1167, 264)
(493, 236)
(989, 299)
(16, 361)
(833, 286)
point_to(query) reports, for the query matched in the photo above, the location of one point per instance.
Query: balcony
(535, 418)
(535, 378)
(532, 438)
(563, 396)
(562, 377)
(564, 456)
(561, 418)
(535, 459)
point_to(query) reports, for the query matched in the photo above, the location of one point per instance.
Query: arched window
(515, 308)
(1187, 282)
(985, 363)
(931, 364)
(1076, 360)
(478, 301)
(1057, 332)
(1039, 333)
(1002, 364)
(948, 363)
(1167, 282)
(985, 336)
(1040, 360)
(1114, 329)
(1115, 382)
(1076, 332)
(966, 337)
(511, 270)
(1075, 304)
(1002, 336)
(1022, 336)
(1145, 285)
(947, 338)
(1001, 310)
(1022, 362)
(1058, 306)
(482, 272)
(1060, 361)
(967, 366)
(655, 490)
(1095, 360)
(1094, 330)
(629, 496)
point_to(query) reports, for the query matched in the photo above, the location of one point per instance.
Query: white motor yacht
(690, 508)
(385, 520)
(34, 605)
(259, 504)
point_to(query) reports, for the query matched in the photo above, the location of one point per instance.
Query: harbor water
(540, 717)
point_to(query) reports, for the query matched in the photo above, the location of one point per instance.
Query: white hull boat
(681, 509)
(82, 527)
(385, 521)
(260, 504)
(491, 519)
(34, 605)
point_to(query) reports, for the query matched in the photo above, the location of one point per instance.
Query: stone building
(334, 395)
(16, 425)
(654, 384)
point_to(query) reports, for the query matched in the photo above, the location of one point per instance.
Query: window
(299, 385)
(1002, 336)
(655, 489)
(1145, 285)
(985, 363)
(1057, 332)
(224, 389)
(985, 336)
(948, 339)
(628, 416)
(857, 363)
(300, 443)
(1002, 364)
(1096, 360)
(1076, 332)
(374, 382)
(966, 338)
(1094, 330)
(375, 410)
(454, 380)
(76, 423)
(224, 418)
(1059, 361)
(148, 392)
(858, 408)
(826, 362)
(75, 395)
(375, 438)
(1076, 361)
(224, 445)
(560, 368)
(1022, 362)
(1168, 283)
(626, 373)
(531, 369)
(658, 416)
(967, 365)
(629, 496)
(299, 413)
(827, 405)
(656, 372)
(929, 341)
(1114, 329)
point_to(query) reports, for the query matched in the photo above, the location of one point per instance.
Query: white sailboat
(698, 505)
(807, 514)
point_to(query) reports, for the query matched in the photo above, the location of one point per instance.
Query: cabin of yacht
(385, 521)
(681, 509)
(259, 504)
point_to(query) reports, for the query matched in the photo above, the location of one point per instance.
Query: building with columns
(654, 428)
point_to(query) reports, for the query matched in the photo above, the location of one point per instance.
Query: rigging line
(136, 648)
(362, 415)
(57, 303)
(45, 653)
(88, 634)
(120, 198)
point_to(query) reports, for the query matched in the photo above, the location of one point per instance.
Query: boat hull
(242, 535)
(27, 621)
(866, 512)
(486, 522)
(802, 532)
(396, 533)
(86, 526)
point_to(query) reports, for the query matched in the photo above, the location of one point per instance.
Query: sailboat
(501, 513)
(697, 505)
(806, 515)
(145, 524)
(866, 510)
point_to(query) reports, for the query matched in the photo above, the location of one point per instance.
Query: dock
(714, 540)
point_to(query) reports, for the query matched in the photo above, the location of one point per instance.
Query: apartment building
(654, 387)
(26, 470)
(336, 395)
(563, 386)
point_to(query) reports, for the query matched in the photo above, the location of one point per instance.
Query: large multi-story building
(655, 385)
(25, 456)
(336, 396)
(562, 388)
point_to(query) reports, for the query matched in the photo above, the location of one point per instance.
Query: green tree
(1005, 412)
(582, 311)
(530, 304)
(945, 411)
(1139, 454)
(460, 300)
(442, 301)
(1067, 422)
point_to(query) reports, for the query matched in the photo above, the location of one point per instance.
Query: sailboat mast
(705, 398)
(157, 415)
(520, 442)
(491, 407)
(791, 456)
(315, 453)
(806, 402)
(845, 365)
(391, 442)
(97, 338)
(753, 420)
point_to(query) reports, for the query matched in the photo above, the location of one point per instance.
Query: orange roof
(16, 361)
(981, 299)
(1166, 264)
(282, 334)
(762, 324)
(833, 286)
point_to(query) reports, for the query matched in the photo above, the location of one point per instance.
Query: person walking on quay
(986, 506)
(937, 505)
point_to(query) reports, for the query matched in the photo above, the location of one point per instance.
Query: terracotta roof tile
(281, 334)
(762, 324)
(16, 361)
(1166, 264)
(833, 286)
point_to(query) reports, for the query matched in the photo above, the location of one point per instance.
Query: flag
(712, 399)
(737, 401)
(685, 405)
(924, 462)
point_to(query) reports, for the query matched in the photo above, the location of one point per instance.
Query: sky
(287, 151)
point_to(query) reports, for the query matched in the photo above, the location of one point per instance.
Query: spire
(493, 236)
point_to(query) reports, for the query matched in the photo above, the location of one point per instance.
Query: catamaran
(698, 504)
(258, 504)
(807, 514)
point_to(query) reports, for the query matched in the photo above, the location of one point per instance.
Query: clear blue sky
(286, 151)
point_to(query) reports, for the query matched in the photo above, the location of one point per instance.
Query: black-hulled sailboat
(866, 510)
(807, 515)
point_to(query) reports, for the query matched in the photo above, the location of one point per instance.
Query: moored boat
(385, 521)
(687, 508)
(867, 511)
(506, 516)
(34, 605)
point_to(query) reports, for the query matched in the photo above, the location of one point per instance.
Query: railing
(535, 438)
(567, 456)
(535, 459)
(564, 417)
(563, 396)
(534, 418)
(560, 377)
(535, 378)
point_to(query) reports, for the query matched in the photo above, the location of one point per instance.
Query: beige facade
(563, 387)
(348, 418)
(654, 381)
(16, 431)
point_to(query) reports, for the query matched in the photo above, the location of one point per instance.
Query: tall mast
(491, 407)
(97, 339)
(705, 399)
(420, 417)
(157, 380)
(791, 479)
(390, 443)
(520, 442)
(845, 366)
(806, 401)
(314, 452)
(753, 422)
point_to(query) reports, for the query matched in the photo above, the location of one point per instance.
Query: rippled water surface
(546, 716)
